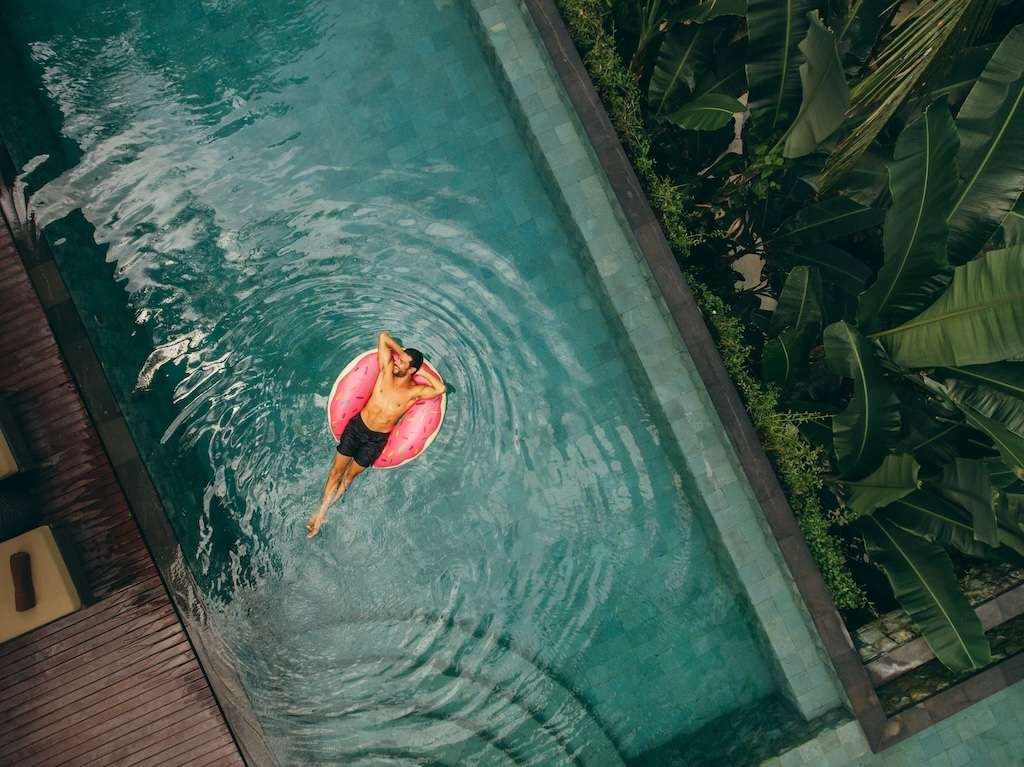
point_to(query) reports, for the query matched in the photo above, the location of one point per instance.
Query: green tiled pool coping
(566, 156)
(516, 31)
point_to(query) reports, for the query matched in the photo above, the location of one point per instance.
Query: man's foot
(313, 526)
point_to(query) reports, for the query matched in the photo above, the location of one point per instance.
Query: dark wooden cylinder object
(21, 574)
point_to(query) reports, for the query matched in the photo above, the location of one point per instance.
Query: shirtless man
(366, 434)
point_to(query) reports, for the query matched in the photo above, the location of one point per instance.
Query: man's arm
(434, 387)
(385, 345)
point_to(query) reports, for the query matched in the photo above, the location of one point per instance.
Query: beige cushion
(8, 465)
(56, 595)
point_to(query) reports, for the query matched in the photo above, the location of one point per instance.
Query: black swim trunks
(362, 443)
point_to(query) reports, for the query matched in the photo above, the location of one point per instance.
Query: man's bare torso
(390, 400)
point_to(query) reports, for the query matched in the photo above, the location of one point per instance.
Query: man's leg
(333, 490)
(353, 471)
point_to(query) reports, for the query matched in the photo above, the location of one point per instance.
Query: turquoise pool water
(240, 195)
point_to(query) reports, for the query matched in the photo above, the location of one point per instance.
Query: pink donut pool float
(414, 432)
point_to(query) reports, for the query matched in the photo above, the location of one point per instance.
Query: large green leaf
(1006, 377)
(977, 320)
(828, 220)
(930, 440)
(1009, 444)
(870, 424)
(925, 584)
(685, 51)
(728, 75)
(825, 93)
(968, 484)
(799, 301)
(775, 29)
(1013, 226)
(837, 267)
(785, 355)
(923, 181)
(1003, 477)
(796, 320)
(708, 112)
(991, 125)
(894, 479)
(938, 520)
(997, 405)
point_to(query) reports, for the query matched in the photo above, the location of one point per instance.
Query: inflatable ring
(414, 432)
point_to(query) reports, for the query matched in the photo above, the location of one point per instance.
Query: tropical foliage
(869, 156)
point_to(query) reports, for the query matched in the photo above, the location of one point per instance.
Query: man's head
(408, 362)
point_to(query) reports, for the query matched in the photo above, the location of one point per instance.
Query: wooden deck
(116, 683)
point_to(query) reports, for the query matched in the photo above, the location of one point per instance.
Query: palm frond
(928, 37)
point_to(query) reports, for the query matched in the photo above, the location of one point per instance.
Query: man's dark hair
(417, 358)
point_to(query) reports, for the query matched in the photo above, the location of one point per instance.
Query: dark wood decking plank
(202, 743)
(109, 704)
(48, 725)
(85, 693)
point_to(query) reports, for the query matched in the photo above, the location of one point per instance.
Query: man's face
(400, 364)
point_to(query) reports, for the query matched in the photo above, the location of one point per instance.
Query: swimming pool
(272, 183)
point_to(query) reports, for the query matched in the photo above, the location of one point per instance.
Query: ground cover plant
(864, 161)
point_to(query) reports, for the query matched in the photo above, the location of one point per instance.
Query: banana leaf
(931, 441)
(785, 355)
(708, 112)
(686, 51)
(825, 93)
(938, 520)
(870, 424)
(1003, 477)
(837, 267)
(978, 319)
(925, 584)
(799, 301)
(829, 220)
(1007, 377)
(1009, 444)
(999, 406)
(729, 77)
(1013, 226)
(991, 158)
(774, 31)
(923, 181)
(968, 484)
(894, 479)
